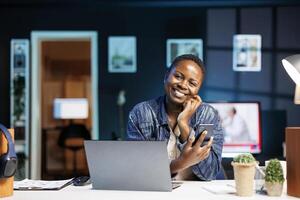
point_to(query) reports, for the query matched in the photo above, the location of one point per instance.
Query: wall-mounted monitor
(70, 108)
(241, 122)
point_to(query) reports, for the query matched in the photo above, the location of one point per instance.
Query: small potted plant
(244, 171)
(274, 178)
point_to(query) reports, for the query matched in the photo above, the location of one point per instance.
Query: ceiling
(151, 3)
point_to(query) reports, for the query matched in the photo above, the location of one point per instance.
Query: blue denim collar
(162, 116)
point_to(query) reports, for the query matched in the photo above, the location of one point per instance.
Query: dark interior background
(152, 22)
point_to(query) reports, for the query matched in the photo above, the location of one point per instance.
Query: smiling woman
(183, 81)
(176, 118)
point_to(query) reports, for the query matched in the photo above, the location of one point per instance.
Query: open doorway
(64, 67)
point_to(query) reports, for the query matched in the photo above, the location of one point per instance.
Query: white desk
(188, 191)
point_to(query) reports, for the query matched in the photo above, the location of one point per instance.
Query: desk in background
(189, 190)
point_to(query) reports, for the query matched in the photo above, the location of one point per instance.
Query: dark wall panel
(284, 84)
(288, 27)
(258, 21)
(258, 81)
(292, 111)
(265, 101)
(219, 69)
(221, 26)
(215, 95)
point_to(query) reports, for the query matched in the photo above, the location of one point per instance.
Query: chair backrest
(73, 131)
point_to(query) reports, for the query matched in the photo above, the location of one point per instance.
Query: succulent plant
(274, 172)
(244, 158)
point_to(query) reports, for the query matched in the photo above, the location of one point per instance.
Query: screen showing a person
(242, 127)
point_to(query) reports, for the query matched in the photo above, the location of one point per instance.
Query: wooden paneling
(51, 90)
(67, 50)
(292, 139)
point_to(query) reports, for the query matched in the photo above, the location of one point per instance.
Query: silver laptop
(128, 165)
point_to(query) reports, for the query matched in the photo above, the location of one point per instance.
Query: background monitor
(70, 108)
(242, 127)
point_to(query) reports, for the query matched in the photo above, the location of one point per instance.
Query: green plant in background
(18, 92)
(244, 158)
(274, 172)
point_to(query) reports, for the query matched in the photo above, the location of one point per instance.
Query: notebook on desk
(29, 184)
(129, 165)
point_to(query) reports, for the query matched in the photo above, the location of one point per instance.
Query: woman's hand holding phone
(208, 128)
(193, 154)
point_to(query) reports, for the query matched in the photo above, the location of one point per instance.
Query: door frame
(37, 37)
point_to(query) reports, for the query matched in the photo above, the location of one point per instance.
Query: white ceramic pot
(274, 189)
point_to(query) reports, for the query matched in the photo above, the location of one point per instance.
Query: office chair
(72, 138)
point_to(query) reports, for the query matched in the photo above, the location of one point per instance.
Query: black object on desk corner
(81, 181)
(8, 161)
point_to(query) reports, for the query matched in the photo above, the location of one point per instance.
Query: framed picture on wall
(247, 52)
(176, 47)
(122, 54)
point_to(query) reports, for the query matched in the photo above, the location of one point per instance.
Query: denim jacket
(148, 121)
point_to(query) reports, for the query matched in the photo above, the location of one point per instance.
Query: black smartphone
(203, 127)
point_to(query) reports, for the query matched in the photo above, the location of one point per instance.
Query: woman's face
(183, 82)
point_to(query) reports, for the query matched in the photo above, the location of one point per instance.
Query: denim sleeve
(133, 132)
(208, 168)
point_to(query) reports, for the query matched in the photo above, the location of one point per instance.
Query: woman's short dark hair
(191, 57)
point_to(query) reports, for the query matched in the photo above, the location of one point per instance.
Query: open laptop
(129, 165)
